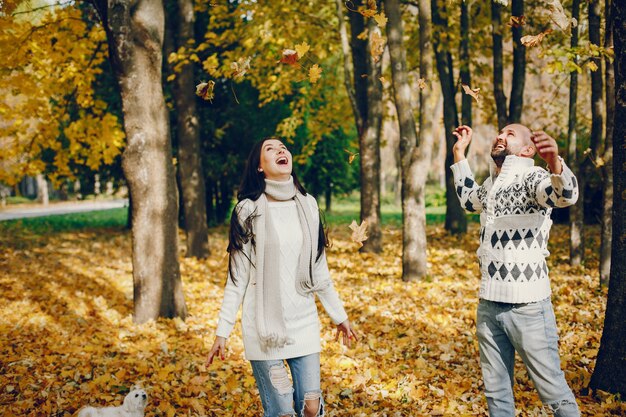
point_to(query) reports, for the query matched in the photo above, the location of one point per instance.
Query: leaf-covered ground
(67, 338)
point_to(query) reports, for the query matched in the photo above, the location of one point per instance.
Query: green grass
(112, 218)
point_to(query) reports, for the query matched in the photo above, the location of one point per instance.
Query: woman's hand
(348, 333)
(219, 347)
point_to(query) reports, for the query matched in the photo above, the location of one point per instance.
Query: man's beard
(498, 156)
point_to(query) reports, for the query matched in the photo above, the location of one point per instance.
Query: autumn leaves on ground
(67, 338)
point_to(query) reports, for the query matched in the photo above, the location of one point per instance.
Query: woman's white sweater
(299, 312)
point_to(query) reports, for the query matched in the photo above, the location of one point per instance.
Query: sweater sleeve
(235, 291)
(553, 190)
(467, 190)
(329, 296)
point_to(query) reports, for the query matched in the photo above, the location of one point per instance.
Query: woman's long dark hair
(251, 187)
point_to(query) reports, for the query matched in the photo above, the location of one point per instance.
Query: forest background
(162, 101)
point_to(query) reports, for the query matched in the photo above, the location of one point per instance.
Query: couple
(277, 262)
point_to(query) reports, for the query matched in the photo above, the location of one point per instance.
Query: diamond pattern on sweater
(517, 272)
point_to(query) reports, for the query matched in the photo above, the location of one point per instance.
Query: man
(514, 311)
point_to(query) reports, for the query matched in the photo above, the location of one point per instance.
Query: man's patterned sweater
(515, 224)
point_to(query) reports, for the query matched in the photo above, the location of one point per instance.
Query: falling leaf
(205, 90)
(421, 83)
(302, 49)
(352, 156)
(359, 232)
(290, 57)
(474, 92)
(363, 35)
(557, 14)
(534, 40)
(517, 21)
(503, 2)
(593, 67)
(315, 73)
(240, 67)
(371, 9)
(381, 19)
(382, 80)
(377, 43)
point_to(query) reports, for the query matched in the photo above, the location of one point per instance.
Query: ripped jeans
(530, 329)
(282, 398)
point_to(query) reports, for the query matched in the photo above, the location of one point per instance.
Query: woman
(276, 264)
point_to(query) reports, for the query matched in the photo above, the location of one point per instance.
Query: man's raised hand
(548, 150)
(463, 138)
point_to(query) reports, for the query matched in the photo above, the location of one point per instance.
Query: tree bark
(498, 64)
(595, 140)
(607, 157)
(188, 133)
(135, 36)
(456, 221)
(610, 371)
(366, 100)
(413, 180)
(516, 102)
(43, 196)
(464, 65)
(576, 243)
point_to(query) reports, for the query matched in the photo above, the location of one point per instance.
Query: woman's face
(276, 161)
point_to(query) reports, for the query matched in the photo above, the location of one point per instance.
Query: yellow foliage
(67, 338)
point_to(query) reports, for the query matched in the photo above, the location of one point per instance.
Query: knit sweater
(299, 312)
(515, 224)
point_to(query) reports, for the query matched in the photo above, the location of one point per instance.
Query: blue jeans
(282, 398)
(530, 329)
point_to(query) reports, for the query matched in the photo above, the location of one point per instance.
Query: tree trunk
(610, 371)
(43, 196)
(414, 256)
(366, 100)
(464, 65)
(498, 64)
(595, 140)
(607, 157)
(456, 221)
(576, 244)
(516, 101)
(135, 35)
(188, 132)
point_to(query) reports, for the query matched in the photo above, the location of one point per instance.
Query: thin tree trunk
(456, 221)
(498, 63)
(610, 370)
(42, 190)
(516, 102)
(348, 76)
(414, 256)
(576, 243)
(135, 35)
(607, 168)
(464, 65)
(188, 132)
(595, 140)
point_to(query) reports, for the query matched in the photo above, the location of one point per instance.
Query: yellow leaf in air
(474, 92)
(381, 19)
(352, 156)
(359, 232)
(557, 14)
(593, 67)
(240, 67)
(534, 40)
(205, 90)
(315, 73)
(382, 80)
(363, 35)
(302, 49)
(421, 83)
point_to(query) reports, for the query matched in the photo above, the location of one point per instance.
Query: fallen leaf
(534, 40)
(315, 73)
(474, 92)
(205, 90)
(359, 232)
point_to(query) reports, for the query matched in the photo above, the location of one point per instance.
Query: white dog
(134, 404)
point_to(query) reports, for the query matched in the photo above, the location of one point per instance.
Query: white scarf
(269, 311)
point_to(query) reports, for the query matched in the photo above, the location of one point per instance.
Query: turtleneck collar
(280, 190)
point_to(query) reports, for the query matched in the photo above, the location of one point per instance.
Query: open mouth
(499, 147)
(282, 160)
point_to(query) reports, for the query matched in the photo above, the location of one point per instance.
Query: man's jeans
(279, 396)
(530, 329)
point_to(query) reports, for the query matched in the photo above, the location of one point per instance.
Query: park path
(20, 211)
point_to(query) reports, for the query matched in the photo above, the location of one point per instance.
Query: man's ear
(528, 151)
